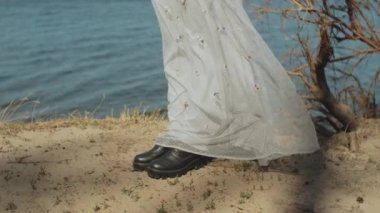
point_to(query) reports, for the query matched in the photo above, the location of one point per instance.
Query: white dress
(228, 95)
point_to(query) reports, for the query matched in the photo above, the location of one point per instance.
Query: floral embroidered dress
(228, 95)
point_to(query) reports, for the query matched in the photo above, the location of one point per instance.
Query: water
(86, 55)
(80, 54)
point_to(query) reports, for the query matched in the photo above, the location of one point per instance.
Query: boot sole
(163, 174)
(140, 167)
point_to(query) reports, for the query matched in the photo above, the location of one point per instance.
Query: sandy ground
(76, 166)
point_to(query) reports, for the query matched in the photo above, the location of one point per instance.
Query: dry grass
(126, 118)
(8, 110)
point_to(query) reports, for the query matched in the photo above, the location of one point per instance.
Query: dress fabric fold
(228, 95)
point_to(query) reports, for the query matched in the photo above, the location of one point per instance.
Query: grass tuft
(81, 120)
(162, 209)
(210, 205)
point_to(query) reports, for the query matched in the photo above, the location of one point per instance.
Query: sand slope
(85, 166)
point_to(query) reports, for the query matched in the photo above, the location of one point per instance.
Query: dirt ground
(84, 165)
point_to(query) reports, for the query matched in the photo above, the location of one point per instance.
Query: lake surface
(88, 55)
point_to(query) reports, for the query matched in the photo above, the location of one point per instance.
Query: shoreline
(140, 111)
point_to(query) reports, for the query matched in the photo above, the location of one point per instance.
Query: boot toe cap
(159, 164)
(142, 159)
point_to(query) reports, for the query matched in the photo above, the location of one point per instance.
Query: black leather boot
(175, 163)
(141, 161)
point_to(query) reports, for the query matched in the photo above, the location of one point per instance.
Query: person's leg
(163, 161)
